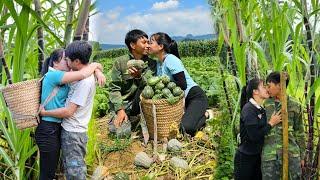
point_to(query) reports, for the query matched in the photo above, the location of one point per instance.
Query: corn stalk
(221, 40)
(69, 21)
(82, 19)
(311, 104)
(37, 7)
(85, 36)
(4, 64)
(285, 138)
(22, 24)
(311, 77)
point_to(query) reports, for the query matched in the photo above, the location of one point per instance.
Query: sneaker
(209, 114)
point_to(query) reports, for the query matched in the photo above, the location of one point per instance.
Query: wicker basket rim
(158, 101)
(18, 84)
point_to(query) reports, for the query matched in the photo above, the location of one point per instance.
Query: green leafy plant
(117, 145)
(186, 49)
(20, 147)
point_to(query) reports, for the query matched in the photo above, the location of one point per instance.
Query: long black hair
(169, 45)
(247, 91)
(55, 56)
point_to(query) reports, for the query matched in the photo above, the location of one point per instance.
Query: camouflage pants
(73, 147)
(272, 170)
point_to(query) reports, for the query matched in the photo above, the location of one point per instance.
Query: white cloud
(112, 29)
(170, 4)
(114, 13)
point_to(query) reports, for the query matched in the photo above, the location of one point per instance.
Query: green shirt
(273, 141)
(123, 86)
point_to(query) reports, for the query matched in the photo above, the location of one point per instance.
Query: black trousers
(48, 140)
(196, 104)
(135, 107)
(247, 167)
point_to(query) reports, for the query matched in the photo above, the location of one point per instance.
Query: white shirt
(81, 93)
(255, 103)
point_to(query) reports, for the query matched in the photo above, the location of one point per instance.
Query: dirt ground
(117, 155)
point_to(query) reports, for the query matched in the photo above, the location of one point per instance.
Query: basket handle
(155, 129)
(144, 127)
(49, 98)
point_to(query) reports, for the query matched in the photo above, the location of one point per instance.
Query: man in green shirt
(126, 84)
(271, 159)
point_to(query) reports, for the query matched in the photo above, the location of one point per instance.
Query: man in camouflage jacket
(271, 158)
(126, 84)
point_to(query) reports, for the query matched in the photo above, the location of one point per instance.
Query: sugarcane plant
(311, 165)
(23, 23)
(261, 32)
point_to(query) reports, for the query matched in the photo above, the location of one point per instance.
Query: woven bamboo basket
(166, 115)
(23, 100)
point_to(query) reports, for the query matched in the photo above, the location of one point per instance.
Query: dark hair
(247, 91)
(55, 56)
(274, 77)
(81, 50)
(133, 36)
(169, 45)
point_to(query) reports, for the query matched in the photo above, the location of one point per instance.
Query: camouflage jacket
(122, 86)
(273, 141)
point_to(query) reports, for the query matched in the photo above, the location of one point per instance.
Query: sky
(175, 17)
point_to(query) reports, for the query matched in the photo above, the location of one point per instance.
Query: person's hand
(121, 116)
(101, 78)
(134, 72)
(275, 118)
(302, 163)
(98, 66)
(42, 111)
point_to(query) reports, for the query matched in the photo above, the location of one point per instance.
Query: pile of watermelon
(160, 87)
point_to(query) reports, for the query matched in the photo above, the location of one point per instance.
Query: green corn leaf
(6, 157)
(27, 155)
(36, 16)
(313, 89)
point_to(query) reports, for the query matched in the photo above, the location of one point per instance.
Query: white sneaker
(209, 114)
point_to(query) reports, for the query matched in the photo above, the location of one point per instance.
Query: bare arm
(81, 74)
(64, 112)
(101, 79)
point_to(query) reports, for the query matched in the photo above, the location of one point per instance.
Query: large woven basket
(166, 115)
(23, 100)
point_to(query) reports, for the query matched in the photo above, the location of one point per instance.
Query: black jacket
(253, 128)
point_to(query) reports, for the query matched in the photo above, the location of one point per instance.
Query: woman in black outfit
(253, 127)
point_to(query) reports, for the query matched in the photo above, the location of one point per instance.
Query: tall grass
(271, 32)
